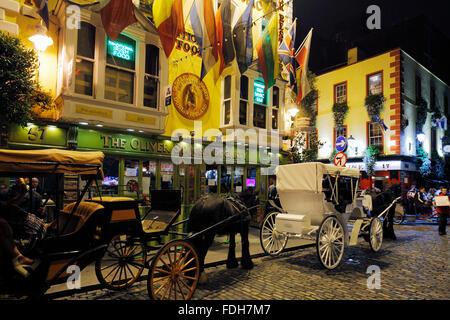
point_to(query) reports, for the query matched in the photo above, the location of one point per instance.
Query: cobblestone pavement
(415, 266)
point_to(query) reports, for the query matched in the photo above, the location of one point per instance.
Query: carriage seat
(82, 214)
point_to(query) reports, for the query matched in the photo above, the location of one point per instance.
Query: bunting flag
(267, 49)
(223, 35)
(302, 57)
(42, 6)
(286, 52)
(117, 15)
(267, 6)
(440, 123)
(243, 40)
(168, 19)
(381, 122)
(204, 24)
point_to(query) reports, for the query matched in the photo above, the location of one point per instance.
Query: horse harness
(240, 208)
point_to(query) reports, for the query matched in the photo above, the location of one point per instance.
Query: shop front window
(166, 175)
(211, 179)
(225, 179)
(250, 182)
(238, 179)
(110, 181)
(149, 176)
(130, 176)
(84, 68)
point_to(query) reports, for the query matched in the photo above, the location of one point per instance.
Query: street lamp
(421, 137)
(40, 39)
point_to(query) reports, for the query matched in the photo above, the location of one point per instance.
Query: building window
(276, 106)
(375, 135)
(120, 69)
(418, 87)
(227, 100)
(151, 78)
(243, 103)
(340, 92)
(375, 83)
(84, 69)
(259, 116)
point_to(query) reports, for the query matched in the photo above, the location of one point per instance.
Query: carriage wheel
(330, 242)
(174, 272)
(122, 263)
(375, 234)
(272, 241)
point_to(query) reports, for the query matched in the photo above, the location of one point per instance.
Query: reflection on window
(119, 85)
(166, 175)
(130, 176)
(211, 179)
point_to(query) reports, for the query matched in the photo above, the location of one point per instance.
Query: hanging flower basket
(374, 104)
(339, 112)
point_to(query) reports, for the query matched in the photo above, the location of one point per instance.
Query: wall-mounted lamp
(353, 144)
(40, 39)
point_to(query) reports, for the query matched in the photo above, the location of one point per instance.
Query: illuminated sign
(259, 93)
(120, 50)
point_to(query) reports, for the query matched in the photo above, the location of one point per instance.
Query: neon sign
(259, 93)
(120, 50)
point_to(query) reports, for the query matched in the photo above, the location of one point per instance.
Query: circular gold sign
(190, 96)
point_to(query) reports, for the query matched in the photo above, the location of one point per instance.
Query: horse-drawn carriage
(104, 230)
(321, 202)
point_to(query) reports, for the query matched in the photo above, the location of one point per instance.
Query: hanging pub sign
(190, 96)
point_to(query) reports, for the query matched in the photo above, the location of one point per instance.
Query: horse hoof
(232, 264)
(203, 279)
(247, 265)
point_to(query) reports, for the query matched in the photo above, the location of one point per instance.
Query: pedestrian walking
(442, 208)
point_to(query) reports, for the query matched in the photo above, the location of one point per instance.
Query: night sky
(325, 15)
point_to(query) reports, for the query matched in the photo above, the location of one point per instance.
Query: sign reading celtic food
(190, 96)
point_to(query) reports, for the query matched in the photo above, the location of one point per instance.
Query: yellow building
(392, 74)
(112, 96)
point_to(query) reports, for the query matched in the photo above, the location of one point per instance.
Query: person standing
(420, 201)
(443, 212)
(410, 195)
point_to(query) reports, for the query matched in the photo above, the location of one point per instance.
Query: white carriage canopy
(308, 176)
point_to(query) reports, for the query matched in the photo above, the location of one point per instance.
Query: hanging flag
(267, 49)
(440, 123)
(243, 40)
(286, 52)
(223, 35)
(381, 122)
(204, 25)
(42, 6)
(168, 19)
(267, 6)
(302, 57)
(117, 15)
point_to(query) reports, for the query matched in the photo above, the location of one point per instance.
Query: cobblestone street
(415, 266)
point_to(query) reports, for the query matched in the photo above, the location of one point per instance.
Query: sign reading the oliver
(190, 96)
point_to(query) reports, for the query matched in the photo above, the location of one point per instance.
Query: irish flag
(267, 49)
(168, 19)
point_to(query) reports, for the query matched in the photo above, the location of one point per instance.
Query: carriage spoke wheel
(375, 234)
(174, 272)
(122, 263)
(330, 242)
(272, 241)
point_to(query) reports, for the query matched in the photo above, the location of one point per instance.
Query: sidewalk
(217, 254)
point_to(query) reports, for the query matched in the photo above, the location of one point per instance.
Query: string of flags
(219, 42)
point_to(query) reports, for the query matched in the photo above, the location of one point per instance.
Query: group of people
(21, 217)
(421, 202)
